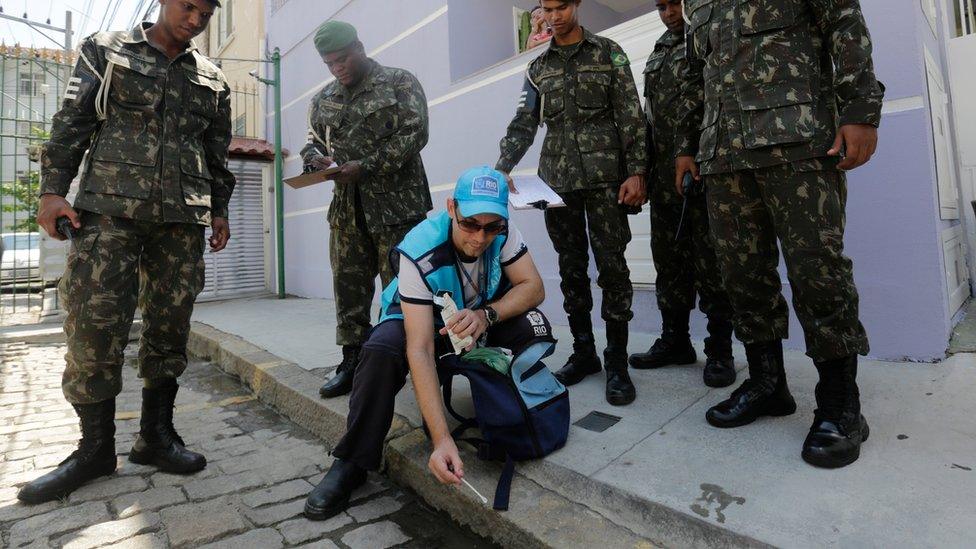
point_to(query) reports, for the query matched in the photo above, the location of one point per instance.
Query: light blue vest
(429, 247)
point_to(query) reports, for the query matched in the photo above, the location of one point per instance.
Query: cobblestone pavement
(260, 468)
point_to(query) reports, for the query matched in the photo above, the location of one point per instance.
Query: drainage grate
(597, 422)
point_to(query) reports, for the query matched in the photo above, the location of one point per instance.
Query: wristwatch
(491, 316)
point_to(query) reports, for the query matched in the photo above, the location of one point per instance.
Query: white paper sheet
(532, 193)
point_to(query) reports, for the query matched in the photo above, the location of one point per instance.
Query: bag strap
(465, 422)
(447, 389)
(503, 490)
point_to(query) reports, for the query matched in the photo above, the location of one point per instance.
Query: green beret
(334, 36)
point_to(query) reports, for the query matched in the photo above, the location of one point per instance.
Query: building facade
(234, 40)
(910, 227)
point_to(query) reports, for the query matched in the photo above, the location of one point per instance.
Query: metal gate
(32, 82)
(241, 268)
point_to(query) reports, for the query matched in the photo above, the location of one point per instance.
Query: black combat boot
(331, 496)
(672, 348)
(341, 382)
(620, 389)
(719, 365)
(584, 360)
(158, 443)
(838, 426)
(764, 394)
(95, 456)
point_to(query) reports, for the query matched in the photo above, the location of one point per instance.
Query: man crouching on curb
(472, 251)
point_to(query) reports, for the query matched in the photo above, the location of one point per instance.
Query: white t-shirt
(413, 288)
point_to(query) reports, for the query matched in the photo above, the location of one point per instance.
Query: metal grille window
(31, 84)
(965, 11)
(241, 269)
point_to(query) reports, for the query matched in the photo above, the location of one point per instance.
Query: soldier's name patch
(620, 60)
(485, 186)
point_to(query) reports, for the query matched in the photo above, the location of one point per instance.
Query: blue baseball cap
(482, 190)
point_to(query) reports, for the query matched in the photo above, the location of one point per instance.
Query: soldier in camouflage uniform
(372, 121)
(684, 257)
(594, 156)
(789, 88)
(156, 116)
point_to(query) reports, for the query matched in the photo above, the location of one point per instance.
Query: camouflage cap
(334, 36)
(217, 2)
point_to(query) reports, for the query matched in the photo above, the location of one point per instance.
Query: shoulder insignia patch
(620, 60)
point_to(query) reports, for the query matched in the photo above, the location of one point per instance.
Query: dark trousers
(800, 205)
(115, 265)
(357, 254)
(592, 219)
(686, 264)
(383, 370)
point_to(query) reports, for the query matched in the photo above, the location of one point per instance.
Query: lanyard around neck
(479, 289)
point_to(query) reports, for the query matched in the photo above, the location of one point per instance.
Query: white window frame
(930, 11)
(961, 24)
(224, 29)
(36, 81)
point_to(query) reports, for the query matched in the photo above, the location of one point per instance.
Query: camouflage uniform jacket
(158, 131)
(780, 77)
(587, 98)
(383, 124)
(670, 87)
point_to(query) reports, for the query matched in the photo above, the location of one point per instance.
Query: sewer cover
(597, 422)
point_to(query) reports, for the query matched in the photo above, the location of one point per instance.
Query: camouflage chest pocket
(202, 91)
(774, 81)
(593, 90)
(552, 88)
(329, 115)
(652, 72)
(761, 16)
(131, 131)
(135, 79)
(700, 23)
(382, 116)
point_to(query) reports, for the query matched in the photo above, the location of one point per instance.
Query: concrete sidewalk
(661, 473)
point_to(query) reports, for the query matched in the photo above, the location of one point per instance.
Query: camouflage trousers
(686, 265)
(592, 212)
(800, 204)
(114, 265)
(357, 255)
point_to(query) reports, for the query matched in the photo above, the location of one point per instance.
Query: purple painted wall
(893, 232)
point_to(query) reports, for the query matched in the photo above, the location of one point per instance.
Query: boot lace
(167, 431)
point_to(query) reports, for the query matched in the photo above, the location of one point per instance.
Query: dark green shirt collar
(138, 36)
(373, 75)
(671, 39)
